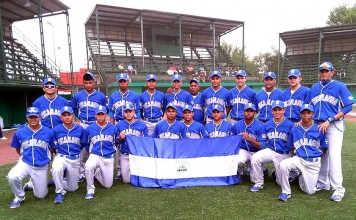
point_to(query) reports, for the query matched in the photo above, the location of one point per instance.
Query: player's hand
(323, 126)
(122, 135)
(299, 123)
(169, 90)
(245, 135)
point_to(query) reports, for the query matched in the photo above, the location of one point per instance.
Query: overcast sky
(264, 20)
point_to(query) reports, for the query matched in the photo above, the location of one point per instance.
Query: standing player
(152, 103)
(266, 97)
(198, 101)
(84, 104)
(117, 101)
(170, 128)
(218, 127)
(253, 136)
(70, 139)
(102, 139)
(276, 150)
(332, 101)
(34, 143)
(294, 96)
(308, 144)
(240, 96)
(50, 104)
(193, 129)
(216, 94)
(178, 97)
(129, 126)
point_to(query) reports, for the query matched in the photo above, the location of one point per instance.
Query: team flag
(171, 163)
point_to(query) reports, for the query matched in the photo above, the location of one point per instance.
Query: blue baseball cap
(49, 80)
(89, 75)
(218, 107)
(129, 106)
(249, 106)
(269, 74)
(122, 76)
(177, 77)
(278, 104)
(194, 80)
(32, 111)
(240, 73)
(171, 105)
(307, 107)
(326, 66)
(215, 73)
(188, 107)
(101, 109)
(294, 72)
(151, 76)
(67, 109)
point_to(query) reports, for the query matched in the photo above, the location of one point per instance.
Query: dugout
(306, 49)
(22, 70)
(153, 41)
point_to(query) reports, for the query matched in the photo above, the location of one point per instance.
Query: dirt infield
(8, 154)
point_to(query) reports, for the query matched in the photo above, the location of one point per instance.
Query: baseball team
(299, 130)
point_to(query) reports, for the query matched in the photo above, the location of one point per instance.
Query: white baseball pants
(59, 166)
(38, 176)
(258, 161)
(309, 171)
(103, 170)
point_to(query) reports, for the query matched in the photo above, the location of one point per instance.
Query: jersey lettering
(35, 143)
(51, 111)
(325, 98)
(68, 140)
(277, 134)
(306, 142)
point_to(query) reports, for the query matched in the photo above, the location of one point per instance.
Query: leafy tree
(342, 15)
(267, 62)
(232, 55)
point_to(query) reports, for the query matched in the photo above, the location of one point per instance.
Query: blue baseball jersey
(198, 108)
(50, 110)
(152, 104)
(34, 145)
(211, 97)
(69, 141)
(137, 128)
(294, 101)
(223, 129)
(264, 103)
(84, 104)
(102, 141)
(195, 130)
(255, 131)
(329, 98)
(307, 142)
(277, 135)
(118, 100)
(163, 129)
(179, 99)
(238, 99)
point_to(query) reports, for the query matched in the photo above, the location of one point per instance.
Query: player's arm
(74, 105)
(52, 145)
(255, 143)
(228, 109)
(138, 107)
(15, 143)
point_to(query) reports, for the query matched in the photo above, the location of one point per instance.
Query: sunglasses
(32, 116)
(49, 86)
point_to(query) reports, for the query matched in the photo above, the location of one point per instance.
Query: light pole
(54, 46)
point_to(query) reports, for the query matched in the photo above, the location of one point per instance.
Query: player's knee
(72, 188)
(108, 185)
(13, 177)
(41, 195)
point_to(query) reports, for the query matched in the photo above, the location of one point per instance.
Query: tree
(232, 55)
(267, 62)
(342, 15)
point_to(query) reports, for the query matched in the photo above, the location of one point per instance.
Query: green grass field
(235, 202)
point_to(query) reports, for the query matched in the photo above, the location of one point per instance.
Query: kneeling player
(253, 136)
(193, 129)
(170, 128)
(102, 138)
(34, 143)
(276, 150)
(70, 139)
(218, 127)
(129, 126)
(308, 143)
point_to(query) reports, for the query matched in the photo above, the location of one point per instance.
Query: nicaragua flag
(171, 163)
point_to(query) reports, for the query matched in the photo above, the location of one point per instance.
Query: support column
(70, 50)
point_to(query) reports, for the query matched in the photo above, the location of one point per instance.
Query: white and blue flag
(171, 163)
